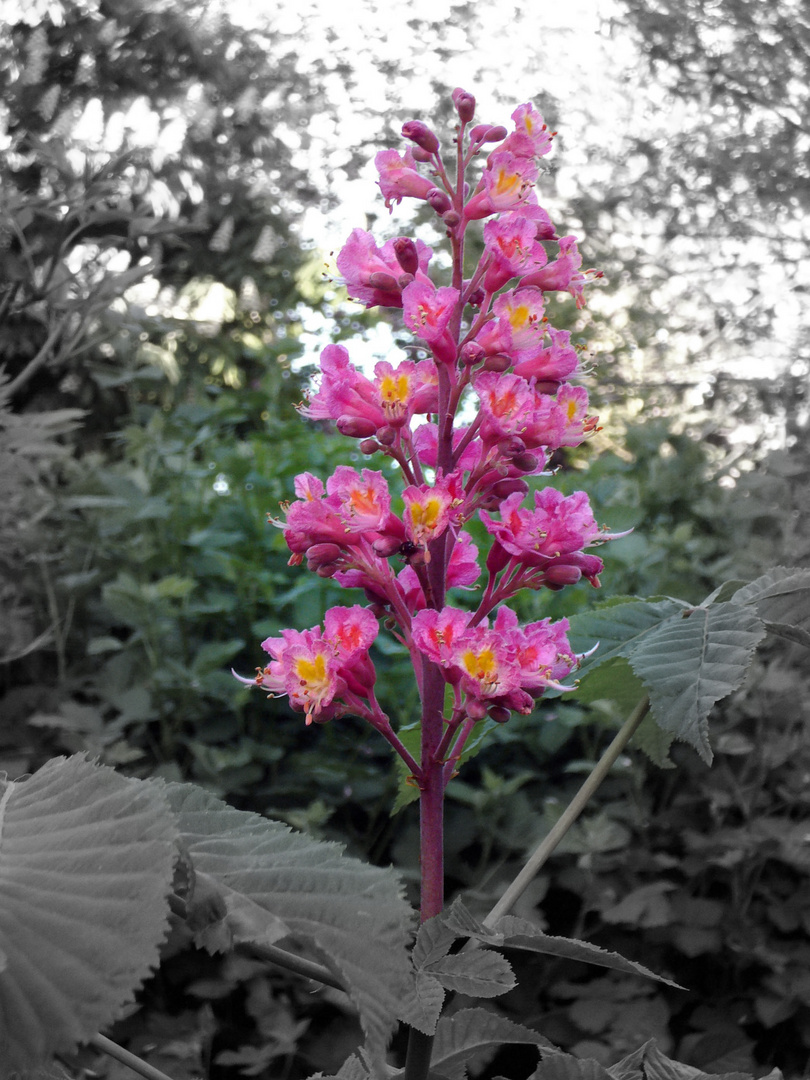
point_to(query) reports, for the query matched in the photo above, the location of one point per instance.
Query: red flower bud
(471, 353)
(465, 104)
(386, 435)
(482, 133)
(387, 545)
(439, 200)
(356, 427)
(562, 574)
(499, 713)
(421, 134)
(497, 362)
(385, 282)
(525, 462)
(509, 486)
(406, 253)
(497, 558)
(369, 446)
(322, 555)
(512, 446)
(476, 297)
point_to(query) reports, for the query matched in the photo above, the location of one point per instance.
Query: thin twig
(107, 1046)
(570, 815)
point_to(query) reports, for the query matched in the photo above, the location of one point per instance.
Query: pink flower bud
(464, 103)
(406, 253)
(512, 446)
(404, 280)
(562, 574)
(483, 133)
(327, 571)
(497, 558)
(387, 435)
(476, 297)
(418, 154)
(356, 427)
(322, 555)
(525, 462)
(439, 200)
(502, 488)
(497, 362)
(380, 280)
(471, 353)
(498, 713)
(550, 386)
(387, 545)
(451, 218)
(476, 710)
(421, 134)
(369, 446)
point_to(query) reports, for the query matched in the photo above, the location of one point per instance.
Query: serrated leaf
(618, 627)
(478, 973)
(86, 862)
(475, 1036)
(423, 1005)
(271, 877)
(780, 596)
(568, 1067)
(692, 660)
(520, 934)
(650, 1064)
(433, 940)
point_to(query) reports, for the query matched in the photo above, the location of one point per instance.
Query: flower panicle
(485, 339)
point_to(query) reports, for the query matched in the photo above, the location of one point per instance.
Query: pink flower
(426, 445)
(557, 525)
(374, 276)
(399, 177)
(548, 363)
(388, 400)
(462, 573)
(531, 135)
(513, 249)
(572, 402)
(523, 311)
(314, 668)
(362, 501)
(507, 404)
(541, 650)
(429, 509)
(304, 667)
(427, 311)
(508, 181)
(487, 665)
(564, 274)
(436, 633)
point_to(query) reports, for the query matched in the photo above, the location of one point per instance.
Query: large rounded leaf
(85, 868)
(276, 883)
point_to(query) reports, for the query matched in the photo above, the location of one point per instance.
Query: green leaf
(688, 658)
(472, 1037)
(568, 1067)
(276, 883)
(781, 596)
(478, 973)
(520, 934)
(618, 626)
(86, 859)
(692, 660)
(648, 1063)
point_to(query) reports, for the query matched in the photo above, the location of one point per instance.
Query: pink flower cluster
(469, 425)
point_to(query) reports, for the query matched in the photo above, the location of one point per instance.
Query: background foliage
(154, 293)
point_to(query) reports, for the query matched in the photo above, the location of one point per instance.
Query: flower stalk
(485, 345)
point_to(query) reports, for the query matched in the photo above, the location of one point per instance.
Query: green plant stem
(107, 1046)
(571, 813)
